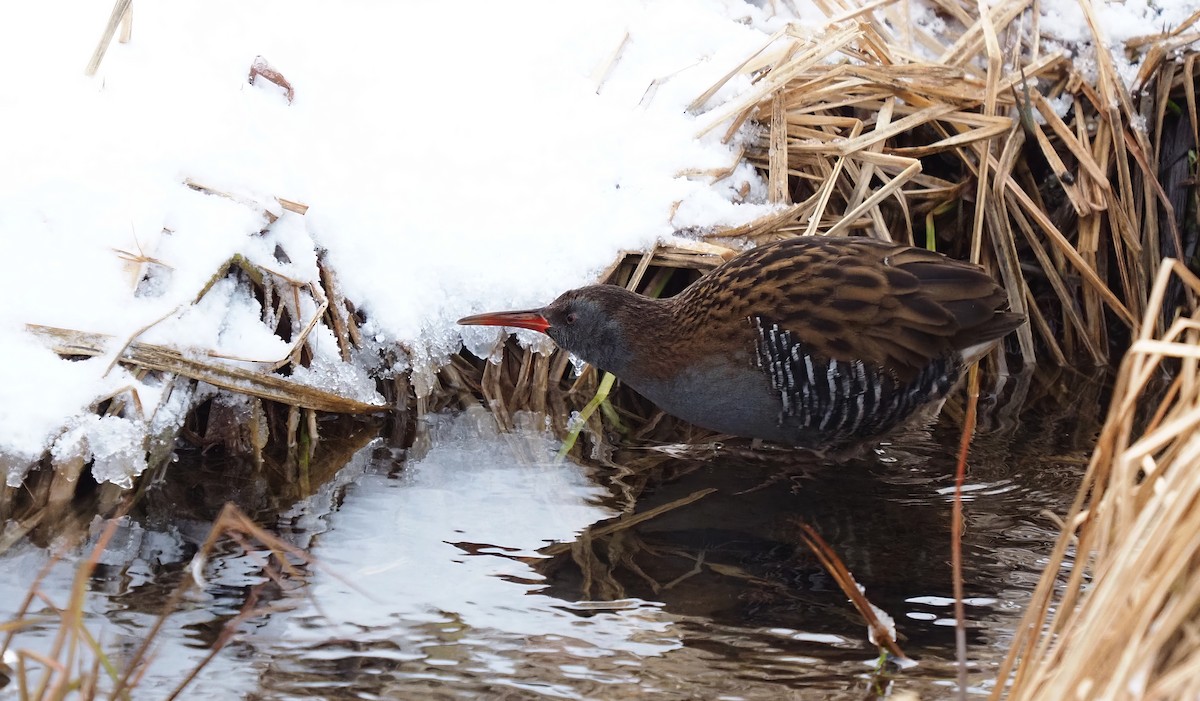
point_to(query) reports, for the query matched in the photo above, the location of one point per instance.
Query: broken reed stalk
(880, 634)
(121, 14)
(1114, 614)
(214, 372)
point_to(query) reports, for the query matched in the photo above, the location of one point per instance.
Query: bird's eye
(572, 317)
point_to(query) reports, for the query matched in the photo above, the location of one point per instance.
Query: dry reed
(1115, 614)
(863, 136)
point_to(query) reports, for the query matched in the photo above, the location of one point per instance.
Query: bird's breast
(721, 393)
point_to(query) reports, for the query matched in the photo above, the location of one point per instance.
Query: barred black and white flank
(842, 401)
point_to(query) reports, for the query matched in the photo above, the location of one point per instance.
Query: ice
(578, 365)
(484, 341)
(390, 560)
(172, 410)
(944, 602)
(125, 543)
(885, 619)
(115, 445)
(341, 378)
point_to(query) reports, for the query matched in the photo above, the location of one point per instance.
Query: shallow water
(482, 568)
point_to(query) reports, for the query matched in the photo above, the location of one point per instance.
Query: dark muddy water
(479, 567)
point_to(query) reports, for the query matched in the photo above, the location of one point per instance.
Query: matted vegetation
(968, 151)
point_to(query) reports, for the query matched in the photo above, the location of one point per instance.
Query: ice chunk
(115, 445)
(578, 365)
(14, 467)
(340, 378)
(117, 448)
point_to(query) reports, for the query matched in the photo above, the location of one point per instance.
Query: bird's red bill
(521, 320)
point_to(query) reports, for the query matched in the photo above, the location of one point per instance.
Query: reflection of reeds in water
(1116, 612)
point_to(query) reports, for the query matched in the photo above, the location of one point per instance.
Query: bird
(816, 342)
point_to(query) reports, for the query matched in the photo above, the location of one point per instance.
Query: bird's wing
(847, 300)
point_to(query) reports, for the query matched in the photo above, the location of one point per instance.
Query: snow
(455, 159)
(37, 392)
(1064, 26)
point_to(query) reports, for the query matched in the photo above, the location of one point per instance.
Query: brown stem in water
(956, 528)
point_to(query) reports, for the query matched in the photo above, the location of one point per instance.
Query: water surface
(479, 566)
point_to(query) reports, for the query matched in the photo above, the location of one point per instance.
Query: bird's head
(591, 322)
